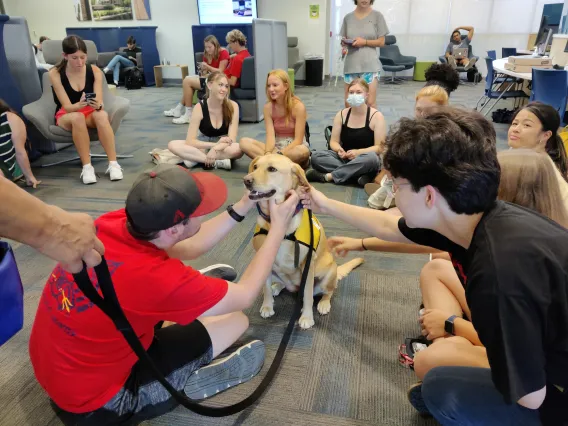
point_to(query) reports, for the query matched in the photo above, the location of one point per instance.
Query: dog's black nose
(248, 182)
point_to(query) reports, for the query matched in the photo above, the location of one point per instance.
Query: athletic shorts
(367, 76)
(178, 351)
(86, 111)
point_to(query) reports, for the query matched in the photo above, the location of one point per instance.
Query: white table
(499, 67)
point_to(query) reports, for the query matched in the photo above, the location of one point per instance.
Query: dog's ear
(300, 175)
(252, 163)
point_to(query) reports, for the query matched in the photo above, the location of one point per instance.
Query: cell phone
(348, 41)
(89, 96)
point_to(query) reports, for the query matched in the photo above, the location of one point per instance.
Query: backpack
(474, 76)
(133, 79)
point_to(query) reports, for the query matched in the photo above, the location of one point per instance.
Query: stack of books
(524, 64)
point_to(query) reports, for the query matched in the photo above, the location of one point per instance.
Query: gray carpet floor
(344, 371)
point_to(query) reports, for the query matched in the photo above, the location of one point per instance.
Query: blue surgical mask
(355, 99)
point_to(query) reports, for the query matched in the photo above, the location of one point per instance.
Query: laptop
(461, 52)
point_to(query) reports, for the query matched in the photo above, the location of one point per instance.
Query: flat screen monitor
(227, 11)
(542, 31)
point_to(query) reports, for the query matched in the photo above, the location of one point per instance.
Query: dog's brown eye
(271, 169)
(254, 167)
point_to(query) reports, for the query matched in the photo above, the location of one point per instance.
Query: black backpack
(133, 79)
(474, 76)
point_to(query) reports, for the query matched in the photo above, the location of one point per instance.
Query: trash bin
(314, 70)
(420, 69)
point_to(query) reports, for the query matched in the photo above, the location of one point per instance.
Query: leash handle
(110, 305)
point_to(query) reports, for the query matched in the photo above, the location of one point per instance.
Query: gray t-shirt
(464, 44)
(363, 59)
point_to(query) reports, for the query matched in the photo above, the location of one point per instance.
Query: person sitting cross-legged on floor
(83, 362)
(212, 134)
(285, 121)
(356, 142)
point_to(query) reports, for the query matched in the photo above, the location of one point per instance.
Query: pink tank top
(282, 130)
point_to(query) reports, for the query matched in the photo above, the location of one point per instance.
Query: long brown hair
(290, 99)
(228, 110)
(529, 179)
(71, 44)
(213, 40)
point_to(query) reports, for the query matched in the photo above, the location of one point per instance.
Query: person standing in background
(362, 31)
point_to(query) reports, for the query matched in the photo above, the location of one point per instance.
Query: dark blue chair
(490, 93)
(492, 54)
(550, 87)
(508, 51)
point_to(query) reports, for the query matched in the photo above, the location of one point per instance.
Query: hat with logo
(166, 195)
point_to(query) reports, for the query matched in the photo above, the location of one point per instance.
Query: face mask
(355, 99)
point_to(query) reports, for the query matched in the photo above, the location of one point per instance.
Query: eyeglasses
(395, 186)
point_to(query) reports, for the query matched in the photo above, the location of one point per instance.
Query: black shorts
(177, 351)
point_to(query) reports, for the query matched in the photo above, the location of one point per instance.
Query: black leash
(109, 304)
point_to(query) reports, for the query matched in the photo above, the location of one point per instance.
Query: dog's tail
(343, 270)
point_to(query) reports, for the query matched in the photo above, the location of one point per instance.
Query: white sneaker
(452, 62)
(223, 164)
(115, 172)
(174, 112)
(183, 119)
(471, 63)
(383, 197)
(105, 70)
(88, 175)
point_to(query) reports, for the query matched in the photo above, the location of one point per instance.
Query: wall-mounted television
(227, 11)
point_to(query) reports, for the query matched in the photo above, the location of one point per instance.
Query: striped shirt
(7, 151)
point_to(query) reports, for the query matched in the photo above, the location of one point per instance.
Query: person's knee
(425, 360)
(245, 143)
(101, 117)
(430, 272)
(77, 119)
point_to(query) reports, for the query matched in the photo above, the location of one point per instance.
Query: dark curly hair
(451, 149)
(443, 75)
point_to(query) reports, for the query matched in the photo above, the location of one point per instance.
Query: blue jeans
(116, 63)
(467, 396)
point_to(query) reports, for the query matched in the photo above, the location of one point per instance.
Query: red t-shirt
(236, 66)
(78, 356)
(223, 56)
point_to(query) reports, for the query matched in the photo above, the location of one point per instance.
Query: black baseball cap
(166, 195)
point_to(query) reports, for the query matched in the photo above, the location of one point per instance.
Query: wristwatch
(449, 325)
(237, 217)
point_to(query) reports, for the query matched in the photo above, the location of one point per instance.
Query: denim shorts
(367, 76)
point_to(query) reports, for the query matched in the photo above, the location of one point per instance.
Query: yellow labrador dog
(272, 176)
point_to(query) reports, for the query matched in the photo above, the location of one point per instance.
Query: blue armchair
(392, 60)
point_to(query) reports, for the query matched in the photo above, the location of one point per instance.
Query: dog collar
(299, 208)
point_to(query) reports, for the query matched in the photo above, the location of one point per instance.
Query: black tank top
(73, 95)
(360, 138)
(207, 128)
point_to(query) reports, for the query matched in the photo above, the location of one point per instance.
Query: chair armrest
(139, 60)
(104, 58)
(407, 59)
(41, 114)
(116, 111)
(386, 61)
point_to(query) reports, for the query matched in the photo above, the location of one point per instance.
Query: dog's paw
(277, 289)
(324, 306)
(306, 322)
(266, 311)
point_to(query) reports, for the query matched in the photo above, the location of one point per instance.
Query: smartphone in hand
(348, 41)
(89, 96)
